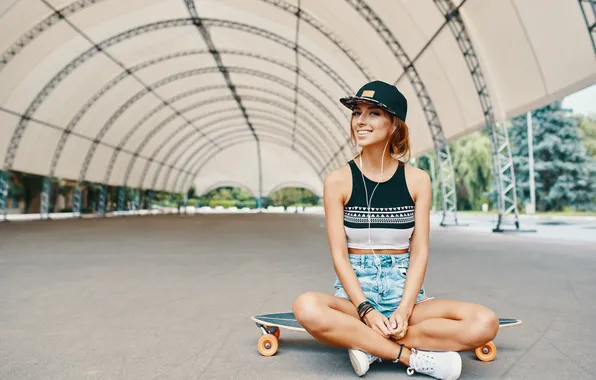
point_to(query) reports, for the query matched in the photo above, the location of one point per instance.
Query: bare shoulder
(339, 182)
(417, 180)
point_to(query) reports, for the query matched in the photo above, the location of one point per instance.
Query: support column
(121, 198)
(137, 201)
(101, 207)
(77, 199)
(45, 198)
(433, 180)
(150, 200)
(3, 195)
(531, 164)
(501, 150)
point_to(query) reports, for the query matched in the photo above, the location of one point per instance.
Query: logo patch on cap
(368, 93)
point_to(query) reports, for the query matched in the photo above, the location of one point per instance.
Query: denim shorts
(382, 287)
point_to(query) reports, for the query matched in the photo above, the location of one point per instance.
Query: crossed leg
(435, 325)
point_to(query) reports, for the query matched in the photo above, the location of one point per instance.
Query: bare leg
(444, 325)
(334, 321)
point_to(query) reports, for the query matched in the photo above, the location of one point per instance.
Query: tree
(564, 172)
(587, 126)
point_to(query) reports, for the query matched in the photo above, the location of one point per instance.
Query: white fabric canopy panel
(139, 93)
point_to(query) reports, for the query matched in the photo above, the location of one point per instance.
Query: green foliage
(293, 196)
(222, 202)
(564, 173)
(471, 157)
(587, 127)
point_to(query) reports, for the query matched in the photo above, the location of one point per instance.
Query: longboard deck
(288, 321)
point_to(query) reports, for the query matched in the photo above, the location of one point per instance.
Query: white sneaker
(361, 361)
(440, 365)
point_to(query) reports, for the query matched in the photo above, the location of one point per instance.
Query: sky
(583, 101)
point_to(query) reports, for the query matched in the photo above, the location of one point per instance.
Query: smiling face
(370, 124)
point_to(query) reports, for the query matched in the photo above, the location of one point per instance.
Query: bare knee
(483, 326)
(309, 311)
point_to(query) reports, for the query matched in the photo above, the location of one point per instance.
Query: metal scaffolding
(504, 174)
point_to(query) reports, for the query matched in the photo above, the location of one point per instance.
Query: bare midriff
(359, 251)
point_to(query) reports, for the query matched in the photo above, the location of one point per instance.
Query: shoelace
(423, 362)
(372, 359)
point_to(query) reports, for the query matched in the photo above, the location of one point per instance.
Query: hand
(398, 323)
(378, 322)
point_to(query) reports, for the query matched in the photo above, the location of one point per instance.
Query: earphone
(369, 202)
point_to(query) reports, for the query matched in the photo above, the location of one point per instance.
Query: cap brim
(352, 101)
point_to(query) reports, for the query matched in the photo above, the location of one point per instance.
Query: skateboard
(270, 325)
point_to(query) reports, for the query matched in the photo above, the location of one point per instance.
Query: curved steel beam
(115, 81)
(101, 47)
(297, 63)
(590, 19)
(71, 9)
(231, 143)
(42, 26)
(316, 159)
(187, 74)
(177, 146)
(202, 29)
(212, 127)
(201, 147)
(160, 126)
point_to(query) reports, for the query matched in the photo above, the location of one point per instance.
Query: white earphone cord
(369, 202)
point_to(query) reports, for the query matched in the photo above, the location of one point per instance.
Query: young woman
(377, 212)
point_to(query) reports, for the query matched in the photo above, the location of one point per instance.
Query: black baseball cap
(383, 94)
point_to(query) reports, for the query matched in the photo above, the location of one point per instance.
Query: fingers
(384, 326)
(393, 321)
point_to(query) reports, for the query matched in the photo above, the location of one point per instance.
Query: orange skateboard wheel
(487, 352)
(267, 345)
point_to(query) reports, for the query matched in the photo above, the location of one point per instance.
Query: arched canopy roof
(163, 94)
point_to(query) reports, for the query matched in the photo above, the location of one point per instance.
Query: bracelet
(362, 306)
(363, 309)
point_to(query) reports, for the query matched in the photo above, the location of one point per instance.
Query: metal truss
(501, 150)
(73, 65)
(75, 7)
(314, 23)
(63, 13)
(321, 147)
(590, 18)
(199, 148)
(262, 128)
(177, 146)
(309, 142)
(69, 68)
(230, 143)
(432, 118)
(198, 22)
(201, 71)
(53, 19)
(317, 104)
(297, 76)
(104, 90)
(3, 195)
